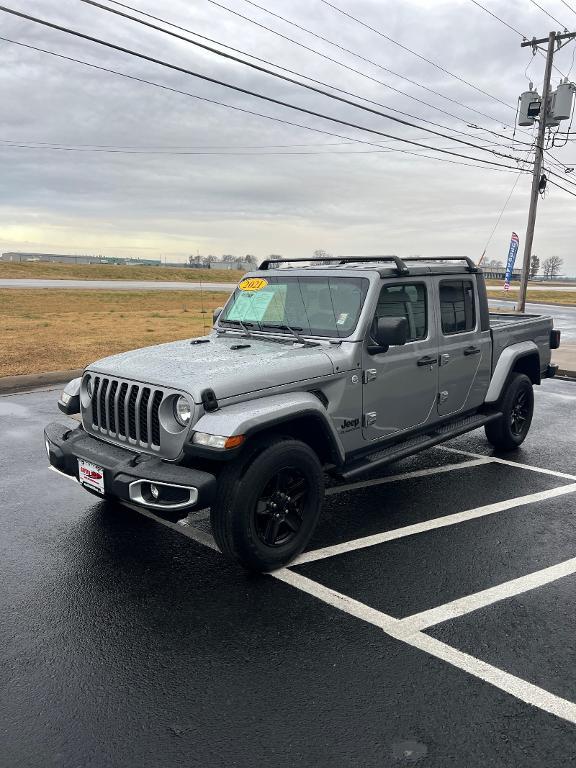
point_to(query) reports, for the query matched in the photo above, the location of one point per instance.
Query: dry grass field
(39, 271)
(50, 330)
(561, 298)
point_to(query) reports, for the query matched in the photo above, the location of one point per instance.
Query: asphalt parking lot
(430, 622)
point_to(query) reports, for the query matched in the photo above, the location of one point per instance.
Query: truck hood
(190, 367)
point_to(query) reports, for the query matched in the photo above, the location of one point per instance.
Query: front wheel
(268, 503)
(517, 407)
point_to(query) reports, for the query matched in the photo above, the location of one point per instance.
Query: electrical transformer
(561, 106)
(529, 107)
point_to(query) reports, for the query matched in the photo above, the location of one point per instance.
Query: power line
(415, 53)
(554, 19)
(257, 67)
(568, 6)
(555, 184)
(314, 80)
(495, 227)
(202, 149)
(513, 29)
(244, 110)
(270, 99)
(171, 153)
(339, 63)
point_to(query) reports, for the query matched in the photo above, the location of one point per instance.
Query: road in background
(117, 285)
(142, 285)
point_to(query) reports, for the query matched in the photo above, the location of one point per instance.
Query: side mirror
(216, 313)
(389, 332)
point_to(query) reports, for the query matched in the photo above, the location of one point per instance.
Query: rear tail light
(554, 339)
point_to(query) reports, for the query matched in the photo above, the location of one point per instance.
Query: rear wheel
(517, 407)
(267, 504)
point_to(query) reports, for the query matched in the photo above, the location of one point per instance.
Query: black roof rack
(470, 264)
(401, 268)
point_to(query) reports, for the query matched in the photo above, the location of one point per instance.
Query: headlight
(182, 411)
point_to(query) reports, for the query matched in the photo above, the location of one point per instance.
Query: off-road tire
(241, 486)
(508, 432)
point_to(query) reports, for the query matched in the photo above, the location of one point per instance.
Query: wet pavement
(125, 643)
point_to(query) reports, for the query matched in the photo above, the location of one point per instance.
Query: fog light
(154, 491)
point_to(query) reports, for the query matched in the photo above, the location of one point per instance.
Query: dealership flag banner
(512, 251)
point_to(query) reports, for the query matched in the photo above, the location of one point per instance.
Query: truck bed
(509, 328)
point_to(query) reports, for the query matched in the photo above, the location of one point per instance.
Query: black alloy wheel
(267, 503)
(520, 413)
(279, 512)
(516, 407)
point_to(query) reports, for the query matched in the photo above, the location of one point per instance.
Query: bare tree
(534, 266)
(250, 259)
(551, 266)
(320, 253)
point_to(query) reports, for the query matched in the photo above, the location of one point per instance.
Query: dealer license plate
(91, 475)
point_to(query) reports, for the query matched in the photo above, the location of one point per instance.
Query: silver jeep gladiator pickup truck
(310, 369)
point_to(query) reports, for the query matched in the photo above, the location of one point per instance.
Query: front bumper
(127, 473)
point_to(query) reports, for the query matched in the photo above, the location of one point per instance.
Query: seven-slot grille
(126, 411)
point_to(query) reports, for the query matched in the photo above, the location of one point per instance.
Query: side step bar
(415, 445)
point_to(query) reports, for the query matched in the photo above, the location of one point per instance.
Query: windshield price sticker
(252, 284)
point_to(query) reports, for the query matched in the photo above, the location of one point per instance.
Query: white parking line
(430, 525)
(469, 603)
(508, 463)
(406, 631)
(408, 475)
(521, 689)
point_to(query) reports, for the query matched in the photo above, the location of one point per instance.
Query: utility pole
(552, 40)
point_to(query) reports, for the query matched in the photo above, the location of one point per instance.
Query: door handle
(472, 351)
(427, 360)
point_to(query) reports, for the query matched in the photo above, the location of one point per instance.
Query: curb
(9, 384)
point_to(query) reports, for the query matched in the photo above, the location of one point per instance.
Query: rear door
(400, 385)
(465, 349)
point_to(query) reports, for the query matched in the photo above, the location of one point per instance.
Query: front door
(465, 349)
(400, 385)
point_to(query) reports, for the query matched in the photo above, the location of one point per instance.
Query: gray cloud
(176, 204)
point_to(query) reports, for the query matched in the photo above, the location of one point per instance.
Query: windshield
(315, 306)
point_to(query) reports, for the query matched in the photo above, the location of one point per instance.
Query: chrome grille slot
(127, 412)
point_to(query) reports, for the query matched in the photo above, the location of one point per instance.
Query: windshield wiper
(242, 325)
(294, 331)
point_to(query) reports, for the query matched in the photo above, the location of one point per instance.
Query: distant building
(499, 273)
(244, 266)
(79, 259)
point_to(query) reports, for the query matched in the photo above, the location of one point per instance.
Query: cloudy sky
(177, 175)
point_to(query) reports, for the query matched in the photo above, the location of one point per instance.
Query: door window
(405, 300)
(457, 309)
